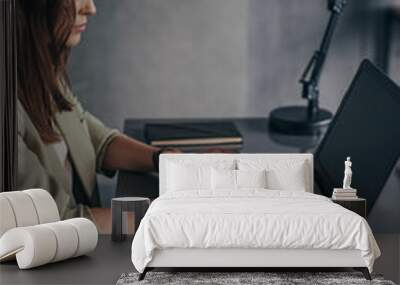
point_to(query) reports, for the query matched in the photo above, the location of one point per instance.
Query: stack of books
(195, 136)
(344, 194)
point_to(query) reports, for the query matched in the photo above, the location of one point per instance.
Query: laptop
(366, 127)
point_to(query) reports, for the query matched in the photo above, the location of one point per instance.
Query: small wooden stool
(119, 207)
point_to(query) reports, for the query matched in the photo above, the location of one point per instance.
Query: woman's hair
(43, 28)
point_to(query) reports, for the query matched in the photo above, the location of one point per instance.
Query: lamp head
(336, 6)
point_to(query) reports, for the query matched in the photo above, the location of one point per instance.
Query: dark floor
(110, 260)
(389, 262)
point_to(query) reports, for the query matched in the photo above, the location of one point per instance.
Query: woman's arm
(124, 153)
(116, 151)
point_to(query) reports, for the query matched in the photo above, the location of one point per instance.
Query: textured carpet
(231, 278)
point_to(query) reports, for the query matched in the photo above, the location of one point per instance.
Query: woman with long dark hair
(60, 145)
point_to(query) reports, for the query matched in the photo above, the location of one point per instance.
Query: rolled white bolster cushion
(7, 218)
(87, 235)
(23, 208)
(34, 245)
(67, 240)
(45, 205)
(45, 243)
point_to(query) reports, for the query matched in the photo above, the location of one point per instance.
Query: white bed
(201, 226)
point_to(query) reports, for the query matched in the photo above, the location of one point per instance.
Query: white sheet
(252, 218)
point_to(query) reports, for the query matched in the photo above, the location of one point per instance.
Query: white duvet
(250, 219)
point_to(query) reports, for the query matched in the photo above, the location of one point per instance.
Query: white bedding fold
(250, 219)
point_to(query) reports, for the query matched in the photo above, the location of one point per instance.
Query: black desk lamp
(310, 119)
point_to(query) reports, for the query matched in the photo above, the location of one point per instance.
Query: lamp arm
(320, 55)
(312, 73)
(310, 119)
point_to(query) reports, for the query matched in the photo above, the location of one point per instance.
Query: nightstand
(357, 205)
(119, 208)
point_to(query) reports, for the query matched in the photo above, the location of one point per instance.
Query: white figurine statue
(348, 173)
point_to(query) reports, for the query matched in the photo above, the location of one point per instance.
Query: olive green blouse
(39, 166)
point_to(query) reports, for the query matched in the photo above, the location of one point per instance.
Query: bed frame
(245, 259)
(260, 259)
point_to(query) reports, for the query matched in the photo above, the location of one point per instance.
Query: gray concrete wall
(154, 58)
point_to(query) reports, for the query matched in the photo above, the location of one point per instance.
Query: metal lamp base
(295, 120)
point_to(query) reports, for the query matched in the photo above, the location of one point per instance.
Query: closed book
(192, 134)
(230, 148)
(344, 198)
(345, 194)
(341, 190)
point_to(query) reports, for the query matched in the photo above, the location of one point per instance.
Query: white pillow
(236, 179)
(251, 178)
(181, 178)
(223, 179)
(190, 174)
(289, 174)
(292, 179)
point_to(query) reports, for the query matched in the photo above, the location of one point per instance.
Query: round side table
(120, 207)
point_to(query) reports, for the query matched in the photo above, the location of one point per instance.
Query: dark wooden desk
(257, 138)
(102, 266)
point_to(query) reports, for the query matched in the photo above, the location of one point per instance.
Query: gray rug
(231, 278)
